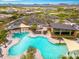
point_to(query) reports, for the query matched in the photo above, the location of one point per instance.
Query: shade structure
(72, 45)
(44, 29)
(14, 26)
(23, 25)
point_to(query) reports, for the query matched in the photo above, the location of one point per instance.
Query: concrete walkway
(72, 45)
(14, 41)
(5, 50)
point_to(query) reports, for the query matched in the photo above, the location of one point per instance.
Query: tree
(64, 57)
(62, 17)
(3, 39)
(60, 9)
(34, 26)
(70, 57)
(60, 39)
(23, 57)
(30, 53)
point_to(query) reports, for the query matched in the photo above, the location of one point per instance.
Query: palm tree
(30, 53)
(34, 26)
(64, 57)
(60, 39)
(23, 57)
(3, 39)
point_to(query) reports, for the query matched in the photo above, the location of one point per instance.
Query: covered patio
(63, 32)
(21, 27)
(64, 29)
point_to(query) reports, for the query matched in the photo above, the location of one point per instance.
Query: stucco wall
(76, 33)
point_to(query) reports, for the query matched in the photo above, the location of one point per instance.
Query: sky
(39, 1)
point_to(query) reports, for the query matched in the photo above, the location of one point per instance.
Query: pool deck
(52, 40)
(72, 45)
(5, 50)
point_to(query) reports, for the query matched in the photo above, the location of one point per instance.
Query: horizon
(39, 2)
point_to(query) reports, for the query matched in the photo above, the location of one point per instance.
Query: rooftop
(64, 26)
(17, 22)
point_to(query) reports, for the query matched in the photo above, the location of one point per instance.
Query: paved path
(72, 45)
(5, 50)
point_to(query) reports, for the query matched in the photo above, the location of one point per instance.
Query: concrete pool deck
(14, 41)
(5, 50)
(47, 36)
(72, 45)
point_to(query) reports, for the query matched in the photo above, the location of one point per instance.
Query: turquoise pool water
(47, 49)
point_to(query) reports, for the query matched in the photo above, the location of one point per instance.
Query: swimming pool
(47, 49)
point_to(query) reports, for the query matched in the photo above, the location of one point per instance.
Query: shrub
(23, 57)
(77, 57)
(70, 57)
(30, 53)
(34, 26)
(78, 35)
(64, 57)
